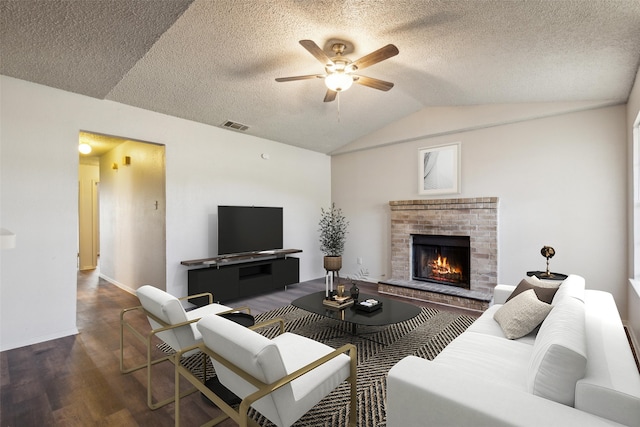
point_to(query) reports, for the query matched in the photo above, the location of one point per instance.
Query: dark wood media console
(233, 276)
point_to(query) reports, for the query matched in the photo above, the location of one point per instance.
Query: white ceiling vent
(235, 125)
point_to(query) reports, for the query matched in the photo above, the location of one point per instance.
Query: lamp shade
(338, 81)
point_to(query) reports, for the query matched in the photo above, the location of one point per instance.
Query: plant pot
(332, 263)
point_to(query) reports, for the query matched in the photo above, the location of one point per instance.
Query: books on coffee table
(338, 302)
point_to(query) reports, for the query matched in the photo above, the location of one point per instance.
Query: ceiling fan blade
(330, 95)
(315, 50)
(374, 57)
(308, 76)
(374, 83)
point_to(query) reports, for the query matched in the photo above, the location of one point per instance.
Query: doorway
(122, 210)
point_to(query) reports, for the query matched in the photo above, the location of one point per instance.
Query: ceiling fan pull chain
(338, 96)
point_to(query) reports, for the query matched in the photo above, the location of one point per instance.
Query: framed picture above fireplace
(439, 169)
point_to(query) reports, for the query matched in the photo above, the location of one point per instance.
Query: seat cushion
(559, 355)
(501, 361)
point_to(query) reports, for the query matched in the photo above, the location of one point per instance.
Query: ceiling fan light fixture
(339, 70)
(338, 81)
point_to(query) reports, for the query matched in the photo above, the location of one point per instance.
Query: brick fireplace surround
(473, 217)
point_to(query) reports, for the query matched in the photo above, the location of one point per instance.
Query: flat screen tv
(249, 229)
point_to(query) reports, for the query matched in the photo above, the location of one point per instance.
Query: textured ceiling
(213, 61)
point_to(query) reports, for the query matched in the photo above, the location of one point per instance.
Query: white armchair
(282, 378)
(171, 323)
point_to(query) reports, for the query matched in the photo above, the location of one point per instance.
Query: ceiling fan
(340, 70)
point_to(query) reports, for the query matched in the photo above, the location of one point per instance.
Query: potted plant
(333, 231)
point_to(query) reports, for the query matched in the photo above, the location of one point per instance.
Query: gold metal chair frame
(240, 415)
(147, 339)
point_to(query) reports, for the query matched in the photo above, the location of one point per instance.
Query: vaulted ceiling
(212, 61)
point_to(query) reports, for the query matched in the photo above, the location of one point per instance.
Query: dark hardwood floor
(76, 381)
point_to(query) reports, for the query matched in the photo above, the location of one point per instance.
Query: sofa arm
(501, 293)
(423, 392)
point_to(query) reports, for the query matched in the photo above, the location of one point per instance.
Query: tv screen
(249, 229)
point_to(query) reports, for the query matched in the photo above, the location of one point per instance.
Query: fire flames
(441, 269)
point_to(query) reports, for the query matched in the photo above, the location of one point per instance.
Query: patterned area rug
(379, 348)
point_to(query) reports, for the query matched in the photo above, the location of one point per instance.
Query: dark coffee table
(391, 312)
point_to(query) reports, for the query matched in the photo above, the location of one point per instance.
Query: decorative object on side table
(548, 252)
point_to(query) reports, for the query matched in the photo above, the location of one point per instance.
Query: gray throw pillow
(543, 293)
(522, 314)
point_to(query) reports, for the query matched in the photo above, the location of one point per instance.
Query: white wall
(220, 167)
(205, 166)
(561, 181)
(39, 203)
(633, 112)
(132, 216)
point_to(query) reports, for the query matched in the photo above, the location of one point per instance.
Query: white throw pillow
(522, 314)
(543, 283)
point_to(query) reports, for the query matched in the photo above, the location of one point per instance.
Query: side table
(542, 275)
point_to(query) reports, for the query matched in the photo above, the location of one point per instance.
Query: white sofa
(576, 369)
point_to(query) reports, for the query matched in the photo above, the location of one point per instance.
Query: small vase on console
(354, 291)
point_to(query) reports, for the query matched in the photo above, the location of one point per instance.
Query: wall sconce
(114, 166)
(126, 161)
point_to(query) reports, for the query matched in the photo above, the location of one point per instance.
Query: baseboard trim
(633, 343)
(118, 284)
(39, 339)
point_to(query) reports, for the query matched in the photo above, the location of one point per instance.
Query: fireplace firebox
(441, 259)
